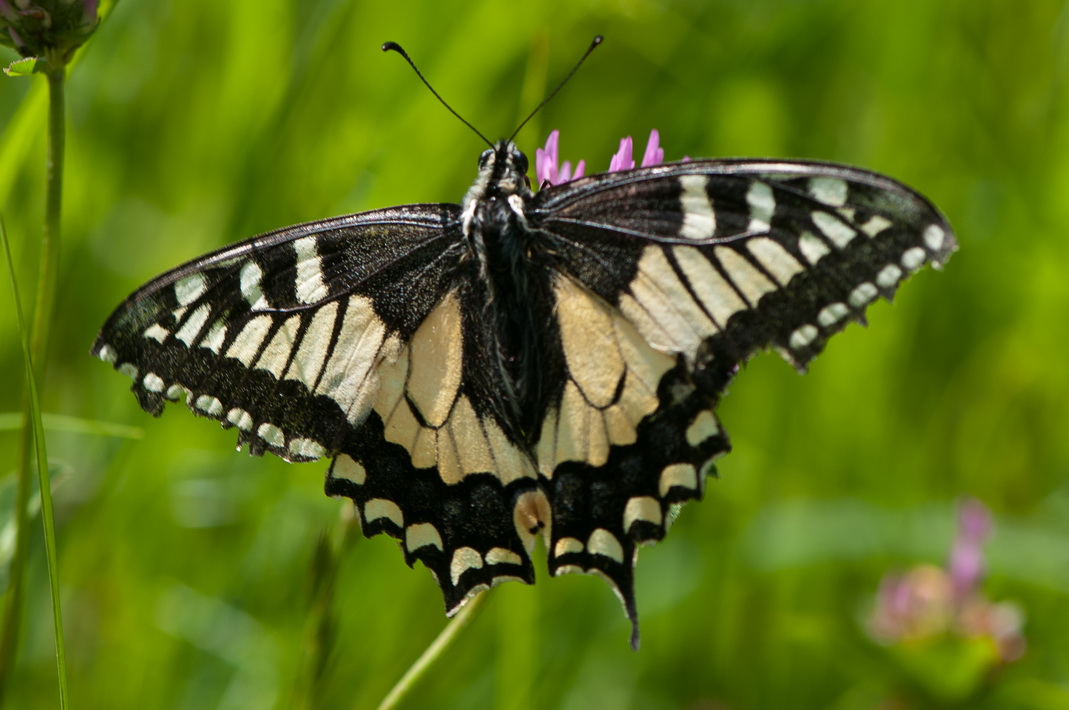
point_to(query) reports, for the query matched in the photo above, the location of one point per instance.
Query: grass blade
(41, 452)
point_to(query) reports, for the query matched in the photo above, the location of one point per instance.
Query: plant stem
(432, 654)
(42, 319)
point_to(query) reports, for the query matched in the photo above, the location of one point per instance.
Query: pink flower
(622, 160)
(928, 601)
(547, 162)
(549, 169)
(654, 154)
(966, 563)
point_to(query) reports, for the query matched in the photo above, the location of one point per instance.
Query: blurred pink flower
(966, 563)
(929, 601)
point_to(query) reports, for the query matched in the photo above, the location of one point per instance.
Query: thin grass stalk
(432, 654)
(32, 437)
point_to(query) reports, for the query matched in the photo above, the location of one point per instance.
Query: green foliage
(193, 576)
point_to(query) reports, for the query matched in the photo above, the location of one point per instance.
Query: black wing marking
(280, 336)
(709, 261)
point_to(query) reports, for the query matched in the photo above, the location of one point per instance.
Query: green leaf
(24, 66)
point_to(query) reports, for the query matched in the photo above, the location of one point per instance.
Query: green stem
(432, 654)
(46, 289)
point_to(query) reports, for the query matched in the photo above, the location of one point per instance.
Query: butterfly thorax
(510, 260)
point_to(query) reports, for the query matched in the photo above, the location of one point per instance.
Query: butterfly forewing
(281, 336)
(742, 255)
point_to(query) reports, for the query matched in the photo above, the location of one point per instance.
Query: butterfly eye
(520, 160)
(484, 158)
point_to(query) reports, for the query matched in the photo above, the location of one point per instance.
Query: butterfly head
(500, 189)
(503, 170)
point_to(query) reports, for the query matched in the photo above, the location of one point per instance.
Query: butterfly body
(512, 281)
(523, 364)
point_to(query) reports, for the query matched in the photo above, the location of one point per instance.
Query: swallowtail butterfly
(523, 364)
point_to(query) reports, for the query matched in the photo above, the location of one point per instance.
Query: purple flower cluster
(550, 171)
(928, 601)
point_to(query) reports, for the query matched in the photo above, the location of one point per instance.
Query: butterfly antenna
(593, 45)
(394, 47)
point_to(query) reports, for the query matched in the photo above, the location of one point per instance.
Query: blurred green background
(190, 574)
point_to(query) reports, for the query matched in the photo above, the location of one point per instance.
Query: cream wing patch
(661, 306)
(424, 410)
(612, 381)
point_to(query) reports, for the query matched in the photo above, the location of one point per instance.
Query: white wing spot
(240, 418)
(831, 191)
(645, 508)
(678, 474)
(567, 545)
(834, 228)
(703, 427)
(250, 286)
(502, 556)
(875, 225)
(157, 332)
(888, 276)
(762, 204)
(129, 369)
(862, 295)
(310, 286)
(568, 569)
(913, 258)
(934, 236)
(271, 434)
(699, 218)
(603, 542)
(108, 354)
(210, 405)
(381, 508)
(190, 288)
(194, 324)
(307, 448)
(216, 335)
(422, 535)
(832, 313)
(464, 558)
(154, 383)
(176, 391)
(812, 247)
(803, 336)
(350, 469)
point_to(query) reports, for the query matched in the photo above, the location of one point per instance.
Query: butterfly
(525, 364)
